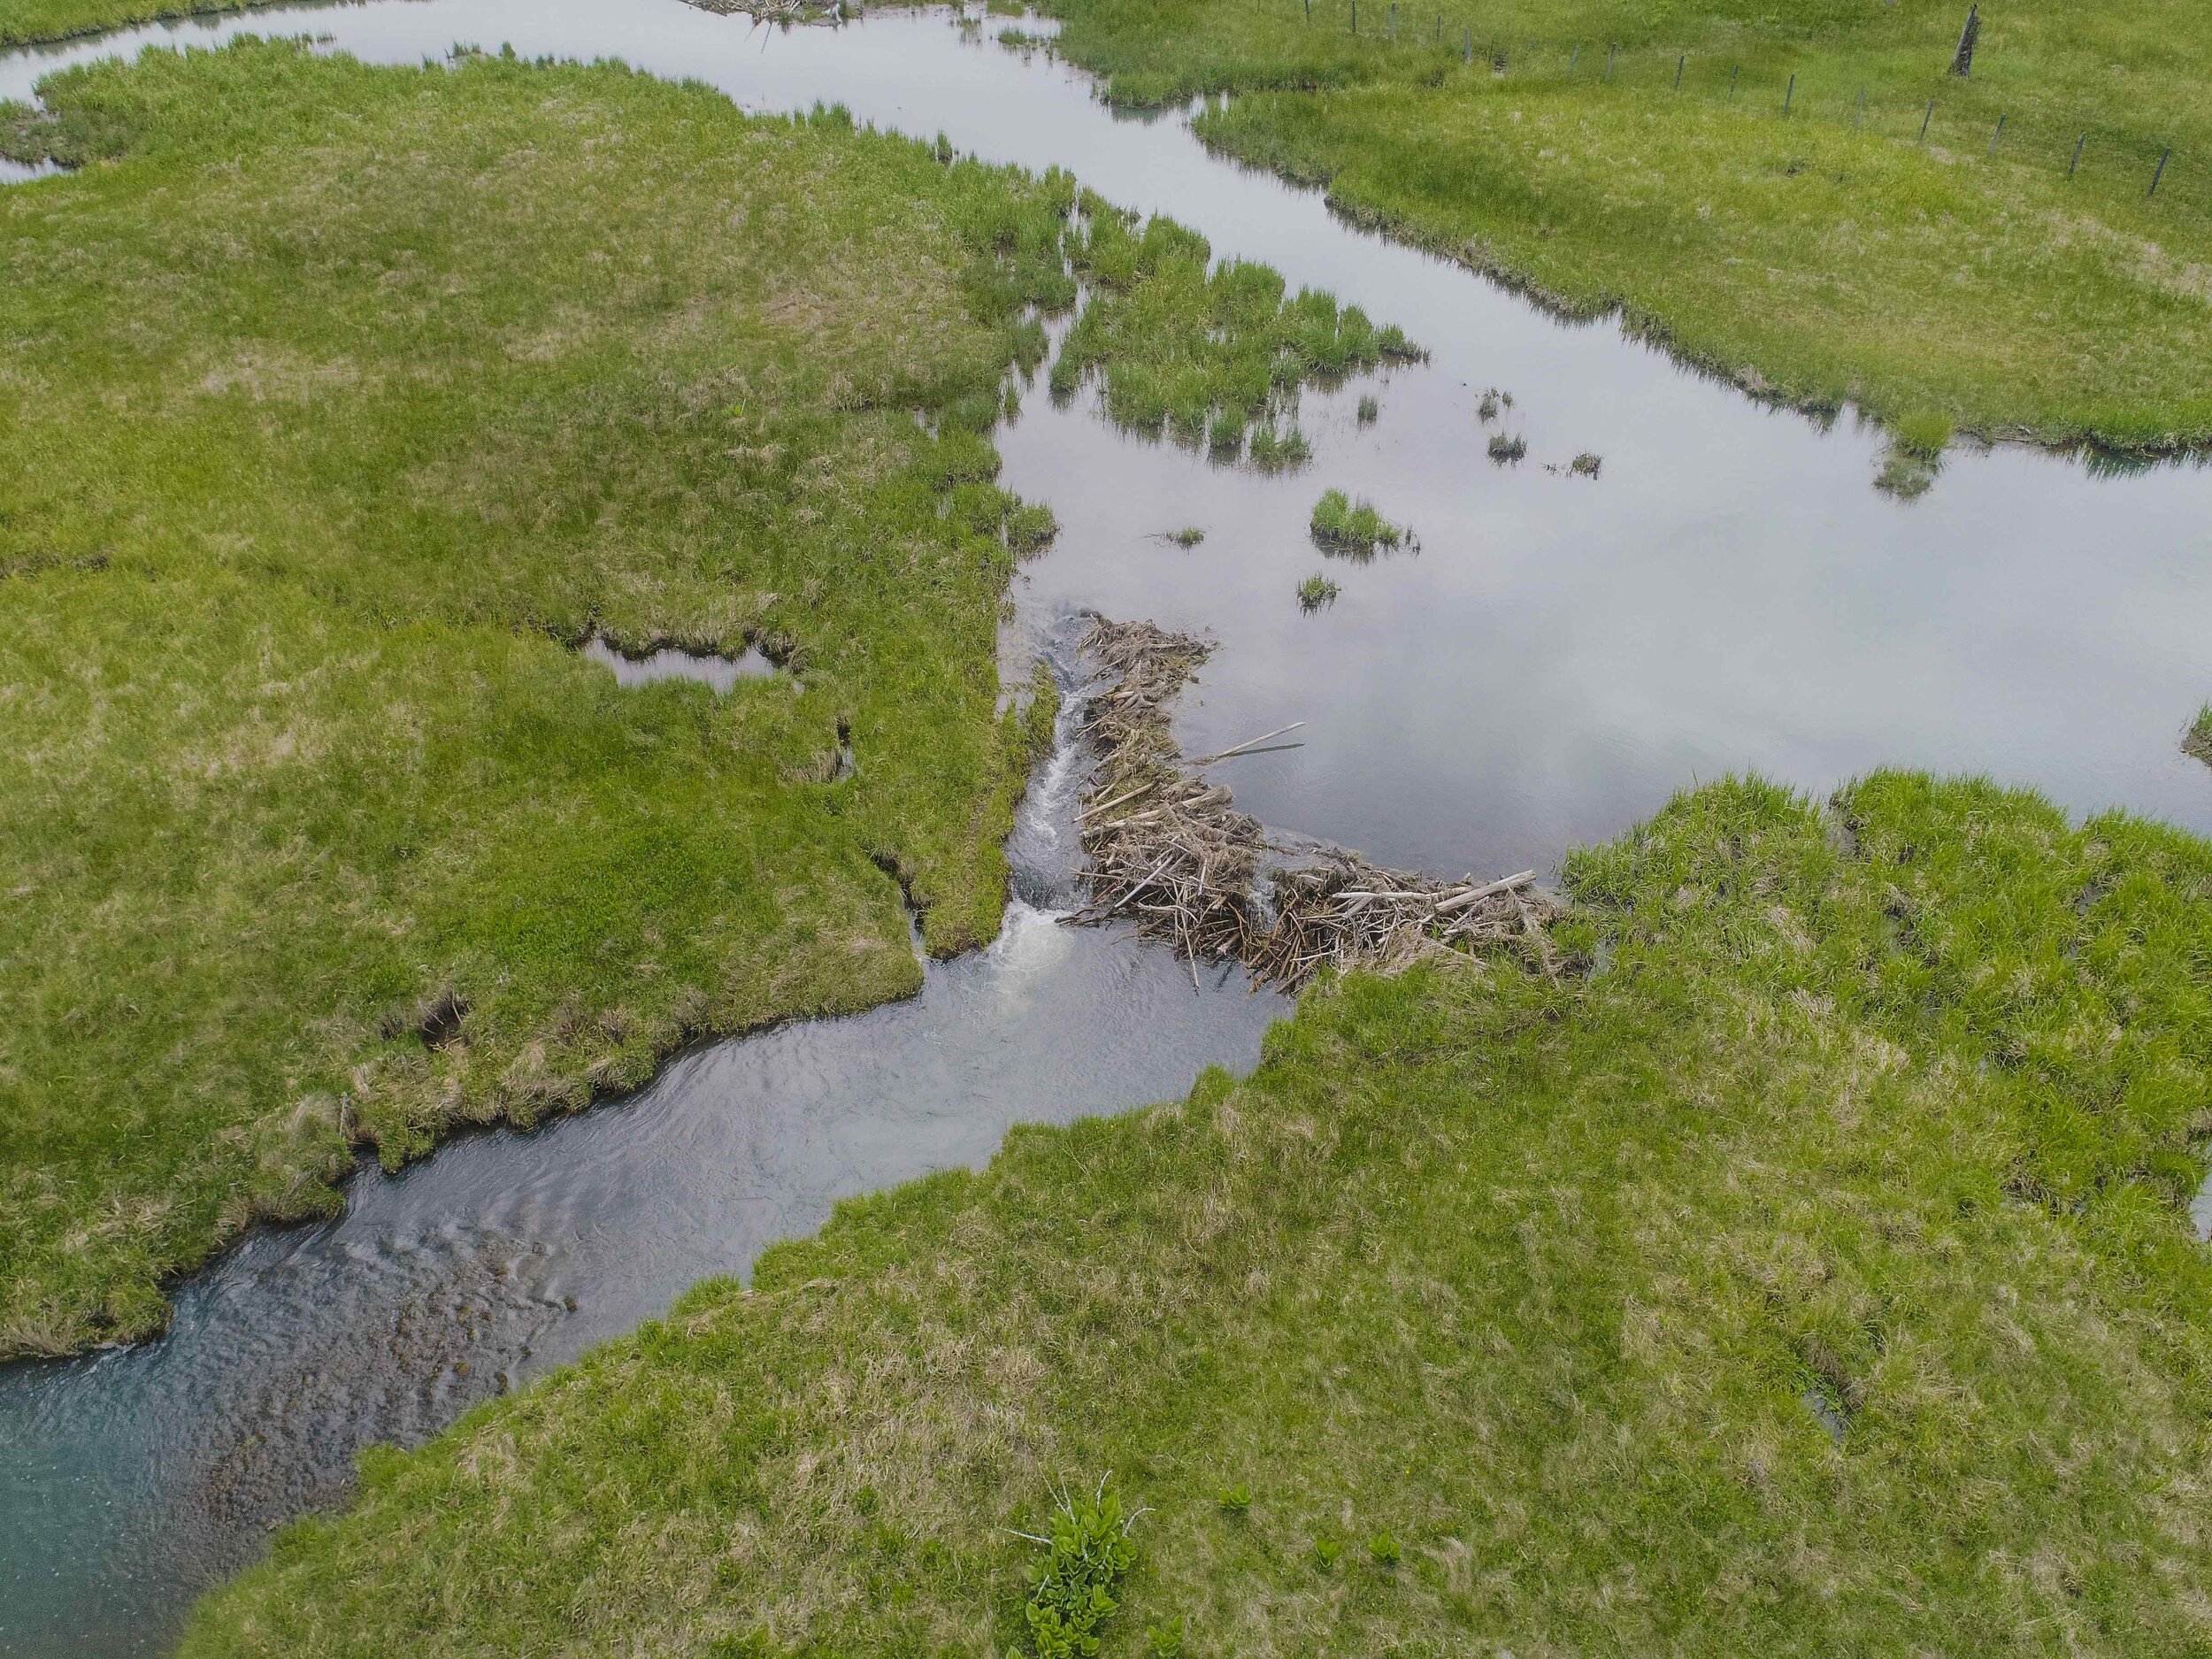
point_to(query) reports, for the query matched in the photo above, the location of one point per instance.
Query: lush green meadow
(23, 21)
(1823, 256)
(1806, 1272)
(344, 404)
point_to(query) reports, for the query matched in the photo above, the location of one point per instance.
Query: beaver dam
(1170, 852)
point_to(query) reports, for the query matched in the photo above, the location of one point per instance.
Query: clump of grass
(1189, 536)
(1492, 400)
(1394, 346)
(1030, 527)
(2198, 740)
(1339, 524)
(1071, 1594)
(1200, 349)
(1585, 466)
(1316, 591)
(1274, 450)
(1506, 448)
(1369, 411)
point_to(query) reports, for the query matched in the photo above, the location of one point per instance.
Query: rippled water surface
(1562, 653)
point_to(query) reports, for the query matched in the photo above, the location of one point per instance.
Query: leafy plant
(1071, 1591)
(1326, 1551)
(1383, 1550)
(1238, 1499)
(1316, 591)
(1164, 1640)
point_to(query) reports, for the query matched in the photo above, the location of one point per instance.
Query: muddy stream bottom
(1562, 653)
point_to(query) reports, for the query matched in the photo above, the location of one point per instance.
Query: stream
(1562, 654)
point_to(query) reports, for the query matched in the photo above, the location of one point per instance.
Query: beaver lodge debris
(1171, 853)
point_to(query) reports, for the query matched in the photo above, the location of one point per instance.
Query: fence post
(1440, 28)
(1610, 51)
(1859, 112)
(1924, 119)
(1355, 17)
(1962, 60)
(1393, 19)
(1790, 96)
(2076, 162)
(1308, 10)
(2161, 173)
(1469, 49)
(1573, 57)
(1732, 74)
(1677, 70)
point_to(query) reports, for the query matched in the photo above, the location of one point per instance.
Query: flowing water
(1562, 653)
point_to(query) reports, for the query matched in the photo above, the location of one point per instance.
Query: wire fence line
(2090, 152)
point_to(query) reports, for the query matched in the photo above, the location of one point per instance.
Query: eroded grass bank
(1822, 256)
(1812, 1276)
(344, 403)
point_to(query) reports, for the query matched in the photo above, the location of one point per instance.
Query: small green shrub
(1585, 466)
(1383, 1550)
(1316, 591)
(1164, 1640)
(1506, 450)
(1070, 1592)
(1326, 1551)
(1189, 536)
(1238, 1499)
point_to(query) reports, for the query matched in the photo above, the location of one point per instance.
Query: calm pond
(1730, 593)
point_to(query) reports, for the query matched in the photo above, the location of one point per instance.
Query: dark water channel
(1730, 592)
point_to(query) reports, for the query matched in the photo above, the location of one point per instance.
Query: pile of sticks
(1162, 849)
(773, 10)
(1172, 854)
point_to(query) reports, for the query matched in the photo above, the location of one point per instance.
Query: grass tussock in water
(2198, 740)
(1822, 256)
(1339, 524)
(1199, 351)
(1815, 1259)
(346, 402)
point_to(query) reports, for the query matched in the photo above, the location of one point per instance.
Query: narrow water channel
(1729, 593)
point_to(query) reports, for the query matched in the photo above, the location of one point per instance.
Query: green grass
(2198, 740)
(1316, 591)
(1199, 351)
(343, 404)
(25, 21)
(1809, 1275)
(1354, 529)
(1808, 261)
